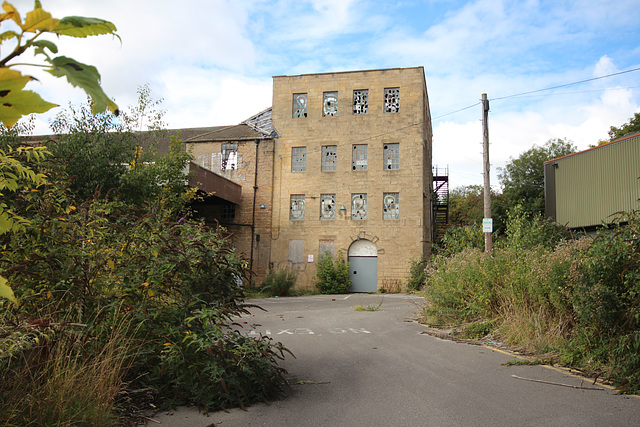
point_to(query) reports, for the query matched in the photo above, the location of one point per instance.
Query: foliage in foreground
(332, 276)
(120, 296)
(577, 298)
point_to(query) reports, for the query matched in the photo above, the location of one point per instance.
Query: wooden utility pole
(487, 223)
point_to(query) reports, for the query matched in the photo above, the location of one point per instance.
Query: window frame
(391, 156)
(359, 213)
(300, 207)
(391, 213)
(300, 109)
(359, 157)
(326, 165)
(361, 102)
(332, 210)
(298, 159)
(329, 109)
(391, 100)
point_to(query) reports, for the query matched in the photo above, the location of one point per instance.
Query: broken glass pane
(327, 206)
(299, 105)
(229, 157)
(358, 206)
(330, 106)
(390, 206)
(359, 159)
(297, 207)
(329, 158)
(298, 159)
(360, 101)
(392, 156)
(392, 100)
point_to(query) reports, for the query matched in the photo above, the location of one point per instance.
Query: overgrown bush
(417, 274)
(332, 276)
(81, 268)
(579, 298)
(279, 282)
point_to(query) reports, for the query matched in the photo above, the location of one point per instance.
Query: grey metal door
(363, 272)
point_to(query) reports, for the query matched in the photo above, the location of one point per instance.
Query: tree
(523, 178)
(633, 125)
(17, 102)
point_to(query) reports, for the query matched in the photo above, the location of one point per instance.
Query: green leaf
(78, 26)
(6, 291)
(85, 77)
(15, 102)
(8, 35)
(42, 44)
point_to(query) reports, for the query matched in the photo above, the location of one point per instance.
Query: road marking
(307, 331)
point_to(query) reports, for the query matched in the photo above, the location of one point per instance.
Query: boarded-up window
(324, 247)
(296, 251)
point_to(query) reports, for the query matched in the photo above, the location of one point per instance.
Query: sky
(212, 62)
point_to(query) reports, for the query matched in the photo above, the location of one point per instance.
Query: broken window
(330, 105)
(327, 206)
(359, 160)
(360, 101)
(390, 206)
(329, 158)
(299, 105)
(297, 207)
(229, 157)
(359, 206)
(299, 159)
(392, 100)
(391, 156)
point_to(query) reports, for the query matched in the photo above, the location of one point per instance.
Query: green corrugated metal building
(585, 189)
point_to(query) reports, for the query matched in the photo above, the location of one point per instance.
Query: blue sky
(212, 62)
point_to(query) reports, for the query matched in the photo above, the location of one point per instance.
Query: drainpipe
(253, 215)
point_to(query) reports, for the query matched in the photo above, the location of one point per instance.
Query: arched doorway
(363, 266)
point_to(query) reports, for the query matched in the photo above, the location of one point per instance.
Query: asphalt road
(378, 368)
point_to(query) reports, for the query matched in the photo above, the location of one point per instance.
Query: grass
(58, 384)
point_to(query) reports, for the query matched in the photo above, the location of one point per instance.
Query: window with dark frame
(228, 211)
(229, 158)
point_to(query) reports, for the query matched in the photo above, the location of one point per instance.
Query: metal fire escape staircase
(440, 202)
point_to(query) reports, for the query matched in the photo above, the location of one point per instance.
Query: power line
(457, 111)
(567, 84)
